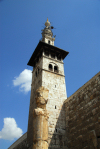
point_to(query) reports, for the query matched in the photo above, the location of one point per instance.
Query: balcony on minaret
(46, 48)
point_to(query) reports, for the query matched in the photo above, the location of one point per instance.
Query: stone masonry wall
(21, 143)
(40, 120)
(83, 116)
(55, 83)
(54, 80)
(36, 83)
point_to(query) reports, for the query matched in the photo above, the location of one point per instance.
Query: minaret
(48, 72)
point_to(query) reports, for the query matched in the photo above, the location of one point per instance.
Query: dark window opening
(55, 107)
(55, 86)
(56, 130)
(55, 69)
(52, 55)
(50, 67)
(46, 53)
(48, 41)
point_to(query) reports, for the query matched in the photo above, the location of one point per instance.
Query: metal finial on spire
(47, 23)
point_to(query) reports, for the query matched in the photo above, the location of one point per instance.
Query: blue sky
(77, 24)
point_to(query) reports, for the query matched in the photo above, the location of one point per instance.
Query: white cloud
(10, 129)
(23, 80)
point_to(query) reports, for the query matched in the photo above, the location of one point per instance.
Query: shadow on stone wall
(58, 139)
(80, 116)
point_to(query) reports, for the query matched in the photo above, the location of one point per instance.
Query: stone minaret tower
(48, 72)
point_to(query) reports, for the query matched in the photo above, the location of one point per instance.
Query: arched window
(50, 67)
(48, 41)
(56, 69)
(56, 130)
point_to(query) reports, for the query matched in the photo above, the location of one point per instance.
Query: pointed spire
(47, 23)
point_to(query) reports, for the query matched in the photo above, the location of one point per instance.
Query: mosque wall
(21, 143)
(82, 112)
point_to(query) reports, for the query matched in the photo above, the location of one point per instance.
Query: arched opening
(56, 69)
(48, 41)
(56, 130)
(50, 67)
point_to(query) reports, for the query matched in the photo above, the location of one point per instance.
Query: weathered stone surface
(40, 145)
(55, 83)
(21, 143)
(82, 116)
(41, 97)
(40, 120)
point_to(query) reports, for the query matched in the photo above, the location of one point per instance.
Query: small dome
(47, 23)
